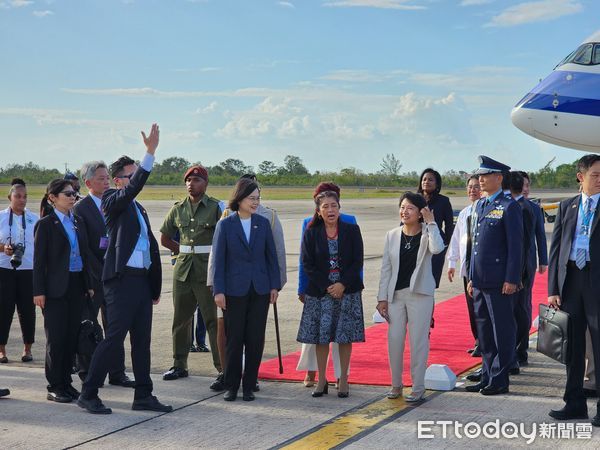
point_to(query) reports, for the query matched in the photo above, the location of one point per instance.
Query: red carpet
(450, 339)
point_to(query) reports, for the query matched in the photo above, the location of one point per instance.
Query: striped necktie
(581, 256)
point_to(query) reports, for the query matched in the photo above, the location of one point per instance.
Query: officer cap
(196, 171)
(488, 165)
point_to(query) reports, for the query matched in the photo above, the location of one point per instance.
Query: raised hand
(151, 141)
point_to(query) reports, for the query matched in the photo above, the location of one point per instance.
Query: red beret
(196, 171)
(326, 186)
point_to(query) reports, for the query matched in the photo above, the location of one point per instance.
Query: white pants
(416, 310)
(308, 359)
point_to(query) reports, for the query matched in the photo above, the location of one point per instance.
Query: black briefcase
(554, 334)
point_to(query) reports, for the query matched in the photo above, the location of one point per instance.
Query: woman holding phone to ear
(406, 290)
(60, 284)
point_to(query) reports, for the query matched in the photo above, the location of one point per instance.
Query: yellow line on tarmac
(352, 424)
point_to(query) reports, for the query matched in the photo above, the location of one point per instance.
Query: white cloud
(381, 4)
(595, 37)
(41, 14)
(475, 2)
(287, 5)
(20, 3)
(359, 76)
(531, 12)
(211, 107)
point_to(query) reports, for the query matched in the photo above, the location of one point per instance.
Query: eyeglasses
(69, 193)
(254, 199)
(125, 176)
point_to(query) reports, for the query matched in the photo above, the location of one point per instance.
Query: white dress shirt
(594, 199)
(17, 236)
(457, 250)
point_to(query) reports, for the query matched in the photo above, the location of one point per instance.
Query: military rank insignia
(496, 213)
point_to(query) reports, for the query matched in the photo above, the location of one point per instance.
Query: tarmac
(284, 414)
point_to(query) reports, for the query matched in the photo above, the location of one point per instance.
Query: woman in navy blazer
(246, 280)
(61, 281)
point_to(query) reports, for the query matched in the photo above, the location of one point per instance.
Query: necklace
(407, 244)
(335, 235)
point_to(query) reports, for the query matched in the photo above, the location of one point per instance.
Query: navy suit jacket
(123, 229)
(540, 239)
(497, 255)
(560, 245)
(239, 264)
(95, 228)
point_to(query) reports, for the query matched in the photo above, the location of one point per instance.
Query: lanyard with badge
(583, 238)
(103, 245)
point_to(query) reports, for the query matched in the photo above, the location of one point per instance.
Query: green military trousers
(186, 295)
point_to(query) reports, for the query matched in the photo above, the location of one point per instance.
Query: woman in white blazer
(406, 290)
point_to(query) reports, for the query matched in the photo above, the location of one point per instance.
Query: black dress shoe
(230, 396)
(27, 357)
(93, 405)
(475, 376)
(123, 381)
(4, 392)
(248, 396)
(596, 421)
(492, 390)
(59, 397)
(174, 373)
(193, 349)
(568, 413)
(590, 393)
(475, 387)
(514, 371)
(3, 360)
(523, 362)
(72, 392)
(219, 384)
(256, 387)
(150, 403)
(202, 348)
(325, 391)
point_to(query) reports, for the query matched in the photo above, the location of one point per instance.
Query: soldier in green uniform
(194, 218)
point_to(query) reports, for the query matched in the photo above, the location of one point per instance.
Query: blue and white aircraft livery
(564, 108)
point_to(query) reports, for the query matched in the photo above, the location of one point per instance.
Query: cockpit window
(587, 54)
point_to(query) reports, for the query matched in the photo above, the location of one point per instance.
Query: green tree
(236, 167)
(294, 165)
(390, 166)
(267, 168)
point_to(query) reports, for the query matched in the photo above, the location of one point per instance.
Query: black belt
(573, 265)
(135, 271)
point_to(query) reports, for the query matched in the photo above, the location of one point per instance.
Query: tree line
(293, 172)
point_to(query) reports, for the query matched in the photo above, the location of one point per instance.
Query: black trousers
(128, 309)
(471, 310)
(437, 266)
(580, 300)
(98, 305)
(523, 320)
(62, 317)
(16, 290)
(245, 322)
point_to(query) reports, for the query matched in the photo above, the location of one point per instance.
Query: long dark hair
(55, 187)
(438, 181)
(317, 219)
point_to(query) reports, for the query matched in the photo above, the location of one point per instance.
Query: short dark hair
(524, 174)
(506, 180)
(416, 199)
(243, 188)
(472, 177)
(516, 182)
(436, 175)
(586, 162)
(250, 176)
(116, 168)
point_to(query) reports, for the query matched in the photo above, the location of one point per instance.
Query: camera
(17, 256)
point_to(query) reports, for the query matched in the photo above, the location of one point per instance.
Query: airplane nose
(522, 119)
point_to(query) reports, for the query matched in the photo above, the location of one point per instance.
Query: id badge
(583, 241)
(103, 243)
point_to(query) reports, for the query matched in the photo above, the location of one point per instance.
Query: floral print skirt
(326, 320)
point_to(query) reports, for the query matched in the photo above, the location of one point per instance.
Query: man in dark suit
(132, 280)
(495, 274)
(96, 178)
(573, 276)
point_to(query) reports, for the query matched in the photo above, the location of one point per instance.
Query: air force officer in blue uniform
(495, 275)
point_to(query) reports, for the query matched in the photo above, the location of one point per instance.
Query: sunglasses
(69, 193)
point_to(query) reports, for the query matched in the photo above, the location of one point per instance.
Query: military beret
(196, 171)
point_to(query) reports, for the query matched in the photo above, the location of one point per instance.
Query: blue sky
(339, 83)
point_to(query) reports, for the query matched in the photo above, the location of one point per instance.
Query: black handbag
(90, 335)
(554, 334)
